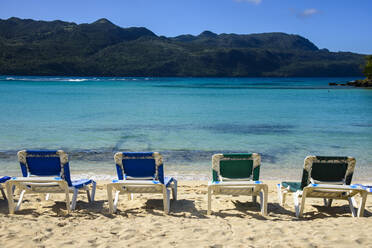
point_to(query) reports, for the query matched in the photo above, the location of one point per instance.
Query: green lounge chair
(323, 177)
(237, 174)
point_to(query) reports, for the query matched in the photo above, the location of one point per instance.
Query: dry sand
(235, 222)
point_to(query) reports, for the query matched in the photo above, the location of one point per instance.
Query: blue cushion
(139, 167)
(41, 152)
(81, 183)
(4, 179)
(44, 166)
(137, 154)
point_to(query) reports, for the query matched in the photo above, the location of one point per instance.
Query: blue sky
(339, 25)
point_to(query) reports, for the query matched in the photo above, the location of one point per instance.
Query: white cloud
(308, 12)
(249, 1)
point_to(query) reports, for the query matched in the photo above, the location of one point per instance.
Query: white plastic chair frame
(329, 191)
(45, 185)
(238, 186)
(140, 186)
(368, 191)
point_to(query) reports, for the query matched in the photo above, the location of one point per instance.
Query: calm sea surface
(187, 120)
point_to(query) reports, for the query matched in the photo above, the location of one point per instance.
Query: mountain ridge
(101, 48)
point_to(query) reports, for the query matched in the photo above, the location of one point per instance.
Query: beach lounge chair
(140, 172)
(237, 174)
(47, 172)
(3, 179)
(323, 177)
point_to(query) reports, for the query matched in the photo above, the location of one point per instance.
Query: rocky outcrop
(361, 83)
(366, 83)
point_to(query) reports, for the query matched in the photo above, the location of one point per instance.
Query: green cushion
(332, 172)
(236, 168)
(293, 186)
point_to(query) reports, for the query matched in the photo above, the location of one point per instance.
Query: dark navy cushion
(3, 179)
(139, 167)
(44, 166)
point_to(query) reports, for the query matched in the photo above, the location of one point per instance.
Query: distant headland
(101, 48)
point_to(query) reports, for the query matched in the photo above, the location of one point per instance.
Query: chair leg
(3, 193)
(209, 200)
(254, 199)
(362, 204)
(88, 195)
(166, 201)
(264, 199)
(18, 206)
(261, 200)
(74, 198)
(355, 204)
(110, 200)
(281, 194)
(93, 194)
(116, 201)
(67, 196)
(9, 189)
(299, 208)
(352, 209)
(174, 190)
(302, 206)
(327, 202)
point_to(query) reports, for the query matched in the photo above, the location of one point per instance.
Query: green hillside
(29, 47)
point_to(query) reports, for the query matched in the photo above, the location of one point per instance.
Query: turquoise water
(187, 120)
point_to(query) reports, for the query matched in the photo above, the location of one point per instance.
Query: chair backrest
(45, 163)
(236, 166)
(331, 170)
(139, 166)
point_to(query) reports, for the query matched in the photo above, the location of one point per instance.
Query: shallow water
(187, 120)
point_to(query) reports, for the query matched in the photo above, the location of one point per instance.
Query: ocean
(187, 120)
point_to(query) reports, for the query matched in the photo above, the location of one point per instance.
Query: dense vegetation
(29, 47)
(368, 67)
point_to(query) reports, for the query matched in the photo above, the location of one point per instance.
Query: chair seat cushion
(3, 179)
(293, 186)
(81, 183)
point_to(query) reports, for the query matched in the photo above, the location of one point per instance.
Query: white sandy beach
(142, 223)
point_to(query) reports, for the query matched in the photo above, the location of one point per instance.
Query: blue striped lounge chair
(47, 172)
(3, 179)
(140, 172)
(323, 177)
(237, 174)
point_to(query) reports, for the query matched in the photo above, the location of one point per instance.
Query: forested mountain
(29, 47)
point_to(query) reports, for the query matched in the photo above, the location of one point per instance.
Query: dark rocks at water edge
(101, 48)
(367, 83)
